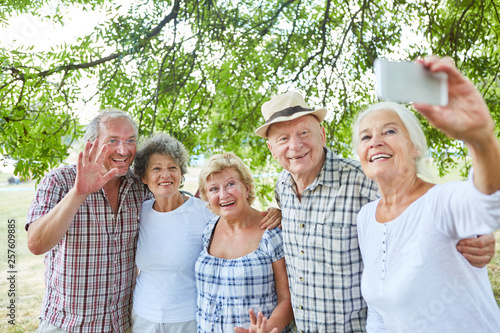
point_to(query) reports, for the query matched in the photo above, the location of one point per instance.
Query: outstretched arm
(467, 118)
(48, 230)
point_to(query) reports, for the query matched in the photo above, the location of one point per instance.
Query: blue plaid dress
(227, 288)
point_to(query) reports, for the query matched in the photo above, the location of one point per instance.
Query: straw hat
(286, 107)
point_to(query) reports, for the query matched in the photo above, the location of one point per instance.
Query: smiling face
(226, 194)
(385, 149)
(122, 155)
(163, 176)
(298, 146)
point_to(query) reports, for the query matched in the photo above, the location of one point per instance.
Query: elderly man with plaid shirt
(85, 218)
(320, 195)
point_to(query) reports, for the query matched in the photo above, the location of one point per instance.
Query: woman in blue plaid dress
(241, 266)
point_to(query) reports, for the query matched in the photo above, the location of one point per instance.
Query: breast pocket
(333, 244)
(336, 211)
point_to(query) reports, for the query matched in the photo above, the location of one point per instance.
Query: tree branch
(152, 34)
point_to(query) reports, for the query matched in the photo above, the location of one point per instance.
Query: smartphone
(409, 82)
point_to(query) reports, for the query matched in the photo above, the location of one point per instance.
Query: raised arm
(45, 232)
(467, 118)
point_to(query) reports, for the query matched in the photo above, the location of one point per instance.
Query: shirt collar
(328, 175)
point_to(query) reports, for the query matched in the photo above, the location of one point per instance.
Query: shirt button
(301, 252)
(301, 279)
(301, 307)
(302, 225)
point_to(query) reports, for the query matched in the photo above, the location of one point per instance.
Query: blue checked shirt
(227, 288)
(321, 246)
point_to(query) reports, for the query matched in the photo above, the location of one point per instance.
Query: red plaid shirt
(90, 274)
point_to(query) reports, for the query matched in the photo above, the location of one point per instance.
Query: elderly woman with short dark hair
(169, 240)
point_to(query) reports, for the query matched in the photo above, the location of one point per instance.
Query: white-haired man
(85, 218)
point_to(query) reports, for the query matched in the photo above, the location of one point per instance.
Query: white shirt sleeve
(463, 212)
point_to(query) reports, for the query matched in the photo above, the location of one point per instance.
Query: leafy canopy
(201, 69)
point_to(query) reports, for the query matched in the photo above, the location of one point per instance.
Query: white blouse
(414, 279)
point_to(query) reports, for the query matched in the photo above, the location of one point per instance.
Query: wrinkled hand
(271, 218)
(258, 324)
(466, 117)
(478, 251)
(91, 175)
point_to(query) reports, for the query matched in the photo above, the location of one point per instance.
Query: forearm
(48, 230)
(486, 159)
(282, 315)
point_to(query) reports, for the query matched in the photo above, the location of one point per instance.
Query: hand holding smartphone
(410, 82)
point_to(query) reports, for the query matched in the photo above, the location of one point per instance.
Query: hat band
(287, 112)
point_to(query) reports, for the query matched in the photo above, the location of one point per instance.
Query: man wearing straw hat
(320, 195)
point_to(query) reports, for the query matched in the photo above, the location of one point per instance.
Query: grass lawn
(29, 268)
(494, 269)
(29, 286)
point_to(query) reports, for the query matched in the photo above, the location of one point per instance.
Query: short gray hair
(409, 120)
(164, 144)
(92, 131)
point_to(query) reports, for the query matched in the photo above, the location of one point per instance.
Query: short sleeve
(274, 244)
(50, 192)
(464, 211)
(209, 215)
(207, 232)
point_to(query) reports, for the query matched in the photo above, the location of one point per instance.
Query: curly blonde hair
(221, 162)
